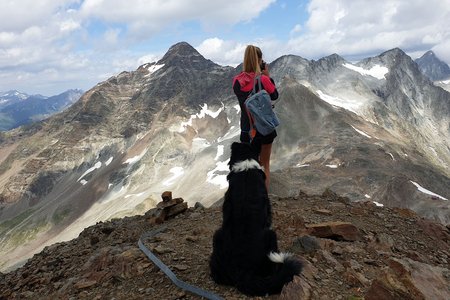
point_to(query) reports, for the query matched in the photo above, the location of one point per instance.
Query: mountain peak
(329, 62)
(14, 93)
(395, 52)
(429, 53)
(183, 55)
(434, 68)
(179, 51)
(183, 48)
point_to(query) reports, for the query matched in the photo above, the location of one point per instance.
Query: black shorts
(259, 138)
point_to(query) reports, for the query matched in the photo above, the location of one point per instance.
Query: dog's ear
(235, 147)
(234, 154)
(244, 151)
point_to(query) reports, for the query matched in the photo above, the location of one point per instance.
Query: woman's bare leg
(264, 160)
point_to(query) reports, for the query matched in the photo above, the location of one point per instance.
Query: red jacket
(242, 87)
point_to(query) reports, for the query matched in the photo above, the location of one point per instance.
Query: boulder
(296, 289)
(166, 196)
(169, 203)
(335, 230)
(175, 210)
(409, 279)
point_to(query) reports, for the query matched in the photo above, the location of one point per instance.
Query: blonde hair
(252, 57)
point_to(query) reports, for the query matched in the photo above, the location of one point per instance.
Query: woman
(243, 85)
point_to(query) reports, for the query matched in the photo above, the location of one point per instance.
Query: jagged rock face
(169, 124)
(433, 67)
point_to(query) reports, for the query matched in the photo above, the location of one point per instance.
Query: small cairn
(168, 208)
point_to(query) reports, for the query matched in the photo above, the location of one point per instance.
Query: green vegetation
(60, 215)
(11, 223)
(24, 235)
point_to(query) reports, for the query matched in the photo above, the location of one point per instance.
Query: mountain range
(375, 130)
(17, 109)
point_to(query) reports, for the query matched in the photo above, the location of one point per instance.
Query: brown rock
(180, 267)
(435, 230)
(169, 203)
(358, 210)
(355, 279)
(296, 289)
(332, 261)
(306, 244)
(166, 196)
(155, 216)
(408, 279)
(85, 284)
(175, 210)
(382, 242)
(325, 212)
(162, 250)
(335, 230)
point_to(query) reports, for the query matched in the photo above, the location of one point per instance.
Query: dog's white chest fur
(246, 165)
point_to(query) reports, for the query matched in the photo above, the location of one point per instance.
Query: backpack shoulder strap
(257, 79)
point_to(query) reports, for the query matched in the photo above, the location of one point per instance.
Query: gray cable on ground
(181, 284)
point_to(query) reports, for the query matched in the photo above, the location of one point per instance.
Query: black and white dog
(245, 252)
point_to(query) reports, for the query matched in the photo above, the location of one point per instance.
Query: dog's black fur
(241, 247)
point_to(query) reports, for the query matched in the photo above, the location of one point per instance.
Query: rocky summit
(350, 251)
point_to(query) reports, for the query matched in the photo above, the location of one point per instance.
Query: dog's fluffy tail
(286, 267)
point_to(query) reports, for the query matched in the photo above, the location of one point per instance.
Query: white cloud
(296, 30)
(357, 27)
(17, 16)
(221, 51)
(154, 15)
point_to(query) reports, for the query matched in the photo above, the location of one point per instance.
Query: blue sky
(49, 46)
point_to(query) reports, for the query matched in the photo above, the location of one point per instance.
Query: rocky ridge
(350, 250)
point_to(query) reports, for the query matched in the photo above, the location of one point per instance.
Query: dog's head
(243, 157)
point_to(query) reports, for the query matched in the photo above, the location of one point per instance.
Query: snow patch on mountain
(136, 158)
(109, 161)
(302, 165)
(376, 71)
(425, 191)
(153, 68)
(351, 105)
(202, 114)
(96, 166)
(362, 132)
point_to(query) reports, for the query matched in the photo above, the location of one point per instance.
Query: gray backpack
(260, 111)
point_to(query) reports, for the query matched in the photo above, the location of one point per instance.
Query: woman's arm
(269, 85)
